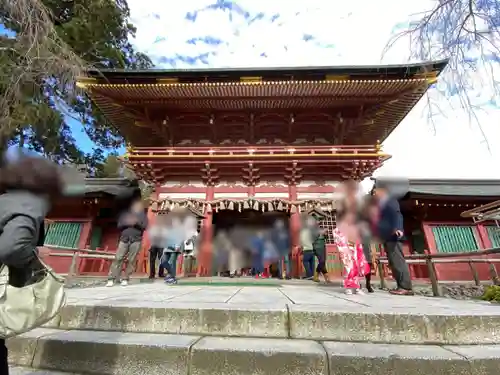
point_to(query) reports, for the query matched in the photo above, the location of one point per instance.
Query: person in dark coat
(391, 231)
(28, 187)
(280, 237)
(319, 247)
(132, 225)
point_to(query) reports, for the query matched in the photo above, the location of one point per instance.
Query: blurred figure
(351, 199)
(280, 236)
(172, 249)
(222, 247)
(319, 246)
(190, 242)
(308, 234)
(258, 246)
(347, 240)
(157, 236)
(28, 187)
(391, 231)
(178, 232)
(132, 225)
(235, 261)
(368, 218)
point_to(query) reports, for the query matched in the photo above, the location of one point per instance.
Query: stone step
(30, 371)
(117, 353)
(479, 323)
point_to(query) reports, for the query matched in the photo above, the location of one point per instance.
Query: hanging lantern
(222, 206)
(270, 207)
(239, 207)
(209, 208)
(230, 206)
(280, 206)
(246, 206)
(256, 206)
(293, 209)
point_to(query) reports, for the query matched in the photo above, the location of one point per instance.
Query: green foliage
(84, 33)
(492, 293)
(113, 167)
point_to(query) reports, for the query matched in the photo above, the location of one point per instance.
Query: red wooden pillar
(85, 234)
(83, 242)
(205, 251)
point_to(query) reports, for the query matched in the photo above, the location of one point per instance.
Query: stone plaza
(282, 329)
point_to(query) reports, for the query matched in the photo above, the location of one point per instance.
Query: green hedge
(492, 293)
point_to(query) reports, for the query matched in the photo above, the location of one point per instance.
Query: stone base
(158, 329)
(117, 353)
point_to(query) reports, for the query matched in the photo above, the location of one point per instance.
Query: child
(347, 239)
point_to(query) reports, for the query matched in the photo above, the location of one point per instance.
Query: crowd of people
(245, 250)
(29, 186)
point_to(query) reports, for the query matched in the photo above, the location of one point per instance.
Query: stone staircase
(194, 330)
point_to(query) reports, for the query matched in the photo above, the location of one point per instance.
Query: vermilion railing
(368, 150)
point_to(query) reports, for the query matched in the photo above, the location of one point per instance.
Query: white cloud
(325, 32)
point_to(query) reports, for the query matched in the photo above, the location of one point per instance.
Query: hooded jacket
(21, 220)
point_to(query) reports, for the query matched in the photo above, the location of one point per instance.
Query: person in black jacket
(28, 186)
(132, 225)
(391, 231)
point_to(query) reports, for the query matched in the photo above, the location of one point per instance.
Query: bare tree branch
(467, 33)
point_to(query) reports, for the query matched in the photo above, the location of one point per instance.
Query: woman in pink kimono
(347, 240)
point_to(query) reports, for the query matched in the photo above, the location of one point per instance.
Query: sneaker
(124, 283)
(359, 291)
(170, 280)
(348, 292)
(110, 283)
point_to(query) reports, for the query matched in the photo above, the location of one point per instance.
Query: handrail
(495, 250)
(74, 249)
(446, 258)
(75, 253)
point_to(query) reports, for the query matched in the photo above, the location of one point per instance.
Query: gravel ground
(454, 291)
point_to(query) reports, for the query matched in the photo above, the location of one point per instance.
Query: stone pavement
(160, 329)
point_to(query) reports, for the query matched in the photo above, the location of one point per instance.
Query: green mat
(228, 283)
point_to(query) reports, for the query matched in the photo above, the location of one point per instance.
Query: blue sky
(255, 33)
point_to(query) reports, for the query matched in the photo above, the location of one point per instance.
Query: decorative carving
(230, 185)
(209, 175)
(251, 175)
(272, 184)
(293, 174)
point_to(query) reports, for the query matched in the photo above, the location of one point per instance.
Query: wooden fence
(76, 255)
(471, 258)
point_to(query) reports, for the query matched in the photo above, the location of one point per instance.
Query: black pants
(155, 253)
(321, 267)
(308, 261)
(4, 365)
(397, 263)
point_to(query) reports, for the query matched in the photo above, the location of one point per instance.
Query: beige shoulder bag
(29, 307)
